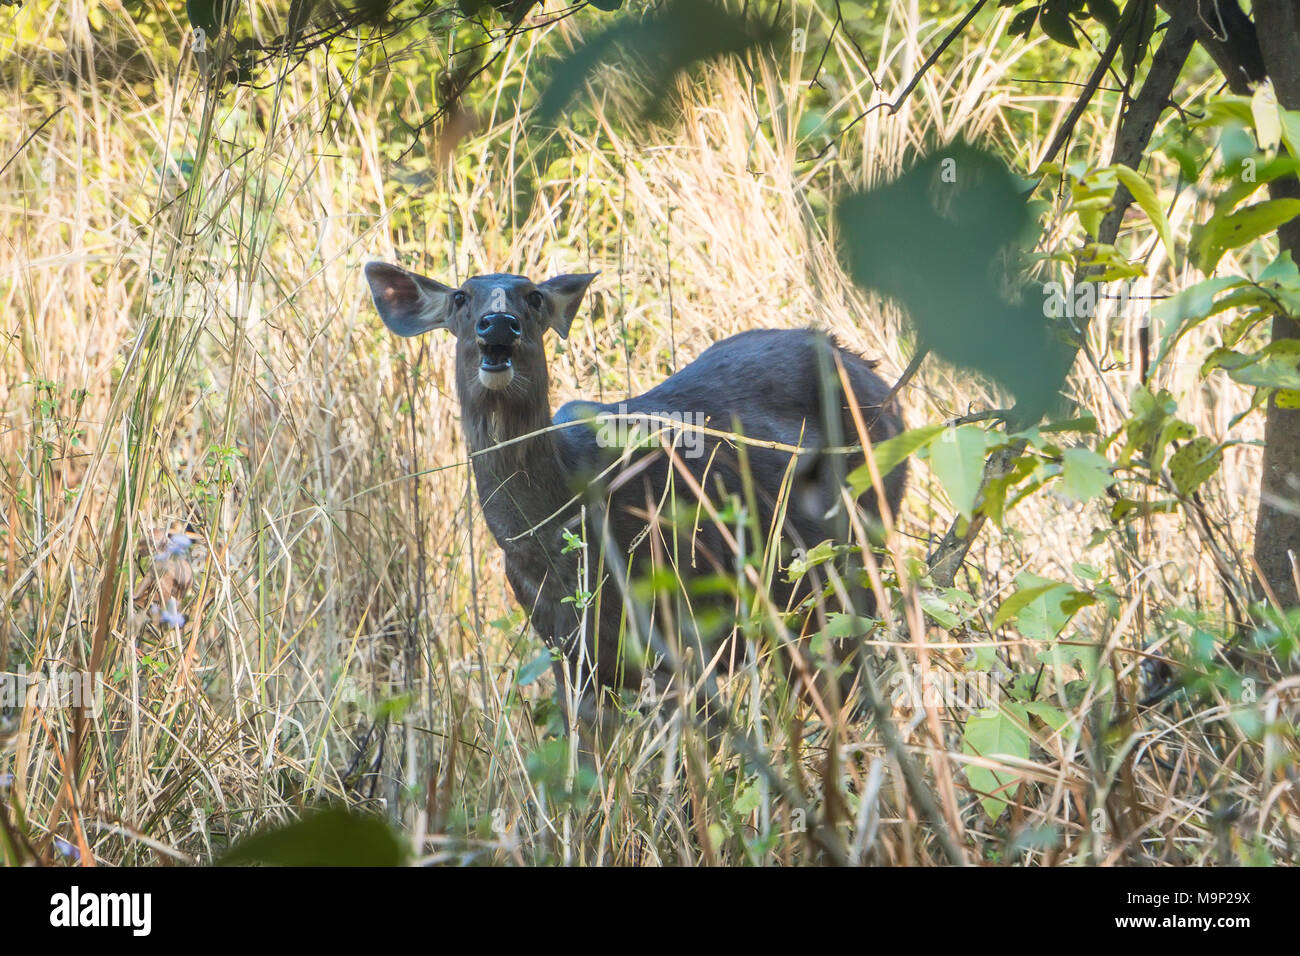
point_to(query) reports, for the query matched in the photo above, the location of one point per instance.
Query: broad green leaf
(1055, 21)
(1084, 423)
(1225, 110)
(1145, 197)
(1192, 464)
(210, 15)
(957, 460)
(1137, 28)
(656, 49)
(534, 669)
(1239, 228)
(1022, 22)
(1175, 429)
(1022, 598)
(1270, 373)
(946, 240)
(1042, 607)
(1290, 120)
(1086, 474)
(1185, 310)
(333, 837)
(1277, 365)
(891, 453)
(992, 733)
(1106, 12)
(1054, 717)
(1264, 110)
(749, 799)
(1061, 657)
(944, 606)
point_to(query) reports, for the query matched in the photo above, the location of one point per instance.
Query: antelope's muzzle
(497, 334)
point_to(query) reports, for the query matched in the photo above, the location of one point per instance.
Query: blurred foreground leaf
(943, 240)
(655, 49)
(333, 837)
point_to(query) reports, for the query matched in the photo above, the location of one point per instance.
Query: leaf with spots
(1192, 464)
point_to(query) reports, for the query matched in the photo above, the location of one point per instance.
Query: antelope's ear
(564, 295)
(408, 303)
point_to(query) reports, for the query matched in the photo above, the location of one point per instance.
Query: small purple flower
(67, 849)
(170, 614)
(178, 546)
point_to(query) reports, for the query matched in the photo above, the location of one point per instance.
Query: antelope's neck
(518, 470)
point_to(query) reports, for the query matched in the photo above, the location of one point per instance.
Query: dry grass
(208, 356)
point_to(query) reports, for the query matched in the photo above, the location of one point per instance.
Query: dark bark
(1228, 35)
(1277, 525)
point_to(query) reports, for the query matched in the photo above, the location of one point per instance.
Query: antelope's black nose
(498, 328)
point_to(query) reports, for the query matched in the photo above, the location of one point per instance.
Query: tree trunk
(1277, 525)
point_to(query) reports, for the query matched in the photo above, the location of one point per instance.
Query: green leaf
(656, 49)
(749, 799)
(891, 453)
(334, 837)
(1277, 365)
(1054, 717)
(1145, 197)
(1184, 310)
(534, 669)
(942, 606)
(1086, 474)
(1042, 607)
(1137, 34)
(957, 460)
(1023, 22)
(992, 733)
(1106, 12)
(1086, 424)
(1239, 228)
(1192, 464)
(1055, 21)
(1291, 130)
(1264, 111)
(1022, 598)
(211, 16)
(947, 240)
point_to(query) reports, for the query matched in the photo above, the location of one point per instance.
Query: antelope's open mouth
(494, 358)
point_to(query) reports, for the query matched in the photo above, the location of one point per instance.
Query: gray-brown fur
(763, 383)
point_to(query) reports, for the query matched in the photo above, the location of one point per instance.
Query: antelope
(574, 514)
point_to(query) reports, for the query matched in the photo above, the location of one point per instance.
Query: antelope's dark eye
(458, 298)
(535, 299)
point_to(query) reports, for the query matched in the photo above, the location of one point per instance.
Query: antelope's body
(655, 508)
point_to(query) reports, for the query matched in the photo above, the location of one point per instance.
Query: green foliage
(891, 453)
(957, 222)
(333, 837)
(658, 48)
(996, 732)
(957, 460)
(1057, 20)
